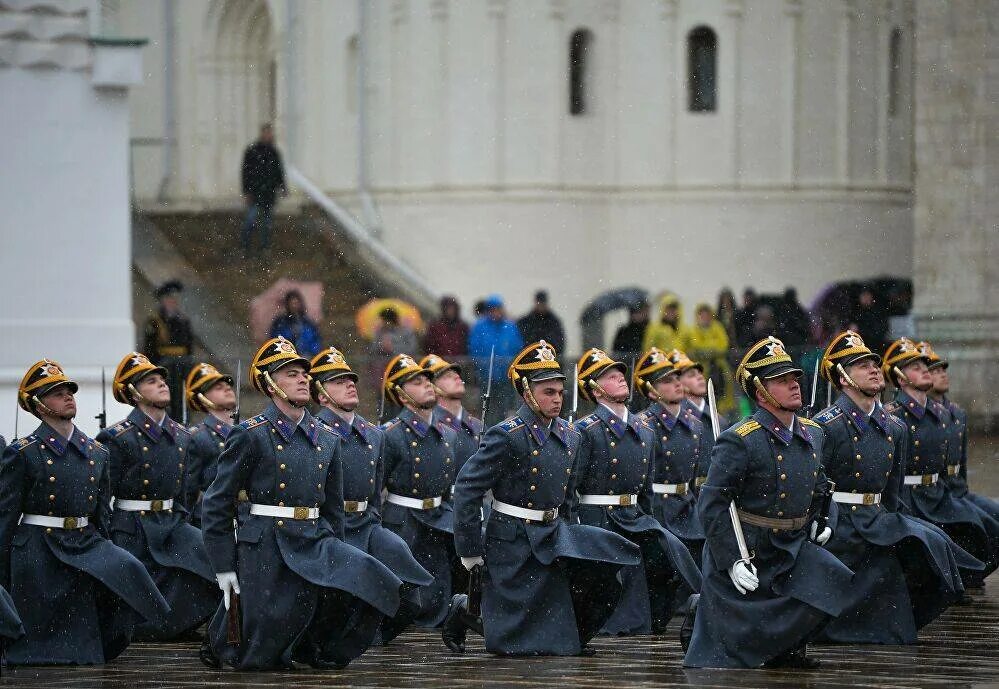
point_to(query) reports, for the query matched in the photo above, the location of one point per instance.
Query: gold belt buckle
(624, 500)
(681, 489)
(428, 503)
(927, 479)
(952, 469)
(868, 498)
(69, 523)
(549, 516)
(700, 481)
(350, 506)
(156, 505)
(301, 513)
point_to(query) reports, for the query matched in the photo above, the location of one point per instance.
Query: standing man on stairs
(169, 340)
(263, 176)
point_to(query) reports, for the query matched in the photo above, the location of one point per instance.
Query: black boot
(794, 660)
(208, 657)
(687, 627)
(454, 631)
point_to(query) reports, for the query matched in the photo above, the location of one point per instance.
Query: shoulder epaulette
(511, 424)
(892, 407)
(896, 420)
(19, 445)
(254, 422)
(119, 428)
(828, 414)
(586, 422)
(808, 422)
(99, 445)
(566, 426)
(325, 426)
(748, 427)
(185, 429)
(390, 424)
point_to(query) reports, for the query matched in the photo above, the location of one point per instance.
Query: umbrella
(268, 304)
(368, 320)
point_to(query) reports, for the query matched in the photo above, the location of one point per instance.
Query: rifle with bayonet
(575, 394)
(475, 574)
(102, 418)
(810, 412)
(239, 383)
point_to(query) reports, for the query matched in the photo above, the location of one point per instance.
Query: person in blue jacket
(549, 583)
(496, 338)
(78, 594)
(906, 571)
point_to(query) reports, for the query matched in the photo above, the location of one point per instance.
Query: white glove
(469, 562)
(743, 576)
(227, 582)
(823, 537)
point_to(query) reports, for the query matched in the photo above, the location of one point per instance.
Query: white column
(792, 76)
(844, 89)
(730, 63)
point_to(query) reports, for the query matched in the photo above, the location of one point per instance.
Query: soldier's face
(222, 395)
(918, 375)
(421, 391)
(154, 390)
(549, 395)
(613, 386)
(61, 401)
(867, 374)
(694, 382)
(343, 391)
(294, 381)
(669, 388)
(941, 381)
(451, 384)
(786, 390)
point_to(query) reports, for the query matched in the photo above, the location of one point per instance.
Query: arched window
(580, 45)
(894, 70)
(702, 69)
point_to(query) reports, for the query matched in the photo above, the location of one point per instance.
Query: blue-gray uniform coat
(707, 443)
(79, 595)
(769, 471)
(548, 587)
(616, 458)
(957, 461)
(305, 593)
(676, 456)
(927, 454)
(420, 463)
(467, 430)
(361, 445)
(907, 571)
(148, 463)
(207, 440)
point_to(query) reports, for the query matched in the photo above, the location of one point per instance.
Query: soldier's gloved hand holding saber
(742, 572)
(821, 532)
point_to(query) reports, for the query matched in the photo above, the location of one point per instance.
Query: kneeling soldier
(549, 584)
(306, 594)
(906, 571)
(79, 595)
(334, 388)
(614, 471)
(148, 458)
(768, 586)
(211, 392)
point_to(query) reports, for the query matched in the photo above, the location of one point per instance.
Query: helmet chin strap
(650, 390)
(595, 386)
(532, 402)
(207, 403)
(901, 377)
(278, 391)
(136, 395)
(762, 389)
(853, 384)
(324, 394)
(47, 410)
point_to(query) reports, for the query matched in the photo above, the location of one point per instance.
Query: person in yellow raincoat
(664, 332)
(707, 342)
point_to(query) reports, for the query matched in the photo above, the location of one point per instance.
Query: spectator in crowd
(706, 342)
(764, 324)
(479, 309)
(628, 339)
(495, 333)
(871, 320)
(296, 326)
(392, 337)
(263, 177)
(726, 313)
(542, 324)
(169, 342)
(745, 319)
(664, 333)
(793, 322)
(447, 337)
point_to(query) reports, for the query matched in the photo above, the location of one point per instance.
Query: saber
(815, 384)
(575, 393)
(239, 382)
(733, 511)
(102, 418)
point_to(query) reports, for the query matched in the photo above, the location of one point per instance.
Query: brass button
(50, 461)
(281, 486)
(280, 523)
(283, 467)
(613, 475)
(614, 461)
(783, 477)
(858, 456)
(534, 470)
(780, 514)
(146, 465)
(416, 459)
(780, 458)
(413, 443)
(51, 479)
(783, 495)
(857, 475)
(281, 504)
(530, 504)
(145, 449)
(534, 487)
(854, 508)
(145, 481)
(416, 475)
(535, 453)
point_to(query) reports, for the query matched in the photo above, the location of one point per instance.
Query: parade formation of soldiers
(307, 534)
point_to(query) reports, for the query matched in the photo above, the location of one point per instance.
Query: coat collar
(286, 427)
(859, 418)
(780, 431)
(217, 426)
(359, 425)
(911, 405)
(617, 426)
(417, 424)
(662, 415)
(539, 428)
(150, 428)
(58, 445)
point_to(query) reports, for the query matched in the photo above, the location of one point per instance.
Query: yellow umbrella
(368, 320)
